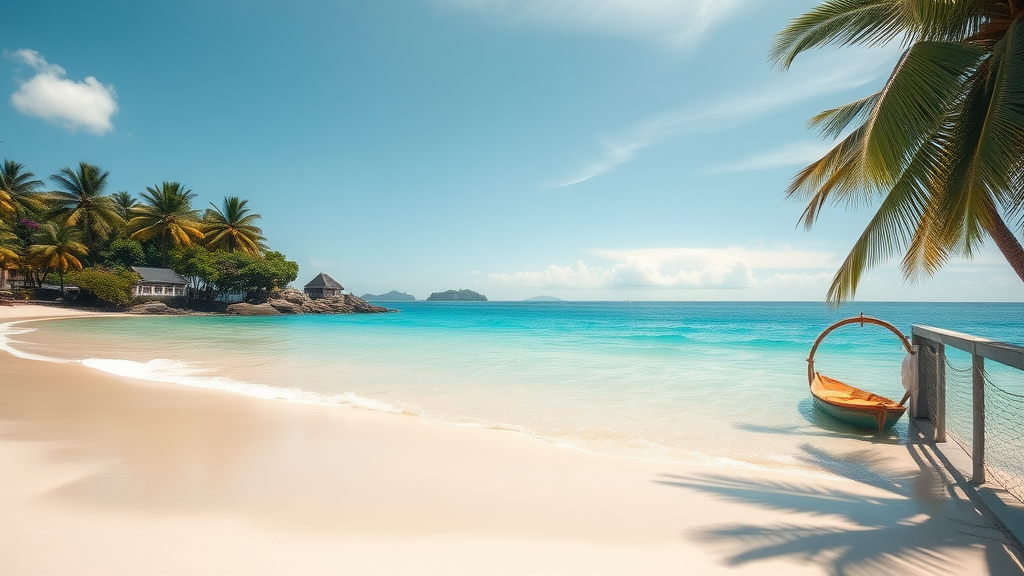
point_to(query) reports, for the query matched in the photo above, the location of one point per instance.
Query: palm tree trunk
(1006, 242)
(60, 273)
(163, 248)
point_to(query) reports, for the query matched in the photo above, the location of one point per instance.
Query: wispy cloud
(849, 69)
(792, 154)
(673, 24)
(797, 280)
(50, 95)
(317, 264)
(678, 268)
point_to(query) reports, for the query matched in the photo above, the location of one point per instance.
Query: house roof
(158, 275)
(324, 281)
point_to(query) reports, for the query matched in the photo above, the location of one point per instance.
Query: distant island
(457, 296)
(543, 298)
(393, 296)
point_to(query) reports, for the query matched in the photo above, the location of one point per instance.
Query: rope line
(1004, 425)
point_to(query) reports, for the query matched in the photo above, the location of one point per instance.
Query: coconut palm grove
(75, 232)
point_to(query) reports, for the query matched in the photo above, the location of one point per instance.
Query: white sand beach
(101, 474)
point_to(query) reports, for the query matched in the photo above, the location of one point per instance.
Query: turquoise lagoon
(717, 383)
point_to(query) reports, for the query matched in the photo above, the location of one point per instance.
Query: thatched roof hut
(323, 286)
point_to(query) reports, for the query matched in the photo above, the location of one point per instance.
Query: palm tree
(57, 247)
(125, 204)
(167, 214)
(80, 201)
(232, 228)
(17, 191)
(940, 147)
(10, 252)
(9, 249)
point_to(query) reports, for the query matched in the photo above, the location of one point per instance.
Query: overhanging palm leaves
(57, 247)
(940, 146)
(18, 195)
(167, 214)
(81, 203)
(233, 228)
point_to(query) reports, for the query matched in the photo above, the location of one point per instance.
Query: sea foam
(194, 376)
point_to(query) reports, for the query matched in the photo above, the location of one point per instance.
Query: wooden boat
(853, 405)
(847, 403)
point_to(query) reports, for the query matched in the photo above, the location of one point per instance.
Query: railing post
(978, 399)
(925, 387)
(940, 392)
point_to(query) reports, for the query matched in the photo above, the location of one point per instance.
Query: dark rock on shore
(155, 308)
(246, 309)
(292, 301)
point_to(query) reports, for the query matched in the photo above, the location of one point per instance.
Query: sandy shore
(106, 475)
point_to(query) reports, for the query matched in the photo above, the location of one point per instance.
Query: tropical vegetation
(167, 216)
(76, 233)
(939, 149)
(232, 227)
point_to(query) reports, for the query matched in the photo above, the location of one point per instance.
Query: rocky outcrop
(292, 301)
(291, 295)
(155, 308)
(285, 307)
(246, 309)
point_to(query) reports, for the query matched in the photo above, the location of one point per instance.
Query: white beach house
(159, 283)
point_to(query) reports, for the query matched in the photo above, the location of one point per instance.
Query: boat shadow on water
(823, 425)
(917, 525)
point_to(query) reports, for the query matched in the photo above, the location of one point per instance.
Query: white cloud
(782, 257)
(50, 95)
(316, 264)
(792, 154)
(801, 280)
(835, 72)
(1004, 281)
(677, 268)
(673, 24)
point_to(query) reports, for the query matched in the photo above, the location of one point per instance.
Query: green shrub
(104, 285)
(123, 253)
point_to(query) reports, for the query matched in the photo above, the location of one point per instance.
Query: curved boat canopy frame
(862, 320)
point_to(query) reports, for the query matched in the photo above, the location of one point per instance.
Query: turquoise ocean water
(717, 383)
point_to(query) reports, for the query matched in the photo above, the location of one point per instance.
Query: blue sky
(585, 149)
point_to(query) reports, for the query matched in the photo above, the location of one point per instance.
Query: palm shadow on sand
(905, 530)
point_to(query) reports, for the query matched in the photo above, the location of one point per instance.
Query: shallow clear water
(694, 382)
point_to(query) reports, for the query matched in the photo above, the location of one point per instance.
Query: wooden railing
(931, 400)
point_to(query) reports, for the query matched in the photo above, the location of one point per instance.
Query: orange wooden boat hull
(853, 405)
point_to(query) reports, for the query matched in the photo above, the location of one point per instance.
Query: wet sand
(101, 474)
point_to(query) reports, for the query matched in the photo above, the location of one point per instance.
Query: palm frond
(831, 123)
(918, 95)
(842, 23)
(876, 23)
(836, 173)
(898, 216)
